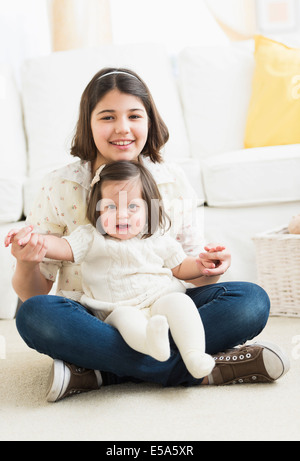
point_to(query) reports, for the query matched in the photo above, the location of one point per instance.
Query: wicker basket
(278, 264)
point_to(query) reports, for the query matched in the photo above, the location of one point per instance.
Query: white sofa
(203, 96)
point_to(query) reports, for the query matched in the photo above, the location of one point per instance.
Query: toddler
(132, 269)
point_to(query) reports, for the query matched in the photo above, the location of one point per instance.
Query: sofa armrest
(8, 297)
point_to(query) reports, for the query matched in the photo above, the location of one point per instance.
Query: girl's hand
(215, 261)
(26, 247)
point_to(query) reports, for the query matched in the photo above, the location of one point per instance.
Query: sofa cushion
(274, 109)
(262, 175)
(215, 87)
(12, 148)
(52, 87)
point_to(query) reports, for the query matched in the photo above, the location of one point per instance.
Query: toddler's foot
(198, 363)
(158, 338)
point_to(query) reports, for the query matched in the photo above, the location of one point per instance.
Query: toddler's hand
(215, 261)
(24, 236)
(26, 247)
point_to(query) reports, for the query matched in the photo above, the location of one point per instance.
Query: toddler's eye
(133, 207)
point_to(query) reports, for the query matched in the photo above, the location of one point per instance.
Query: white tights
(150, 336)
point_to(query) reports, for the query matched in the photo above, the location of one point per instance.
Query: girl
(118, 120)
(130, 280)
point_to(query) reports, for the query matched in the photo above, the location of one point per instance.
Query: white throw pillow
(215, 86)
(12, 148)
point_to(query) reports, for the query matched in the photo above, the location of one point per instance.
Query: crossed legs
(150, 336)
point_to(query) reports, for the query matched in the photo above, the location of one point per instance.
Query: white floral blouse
(60, 208)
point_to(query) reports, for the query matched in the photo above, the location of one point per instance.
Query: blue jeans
(231, 312)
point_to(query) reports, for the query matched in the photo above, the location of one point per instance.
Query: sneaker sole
(57, 379)
(285, 361)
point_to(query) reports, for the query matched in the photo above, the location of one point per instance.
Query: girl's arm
(36, 283)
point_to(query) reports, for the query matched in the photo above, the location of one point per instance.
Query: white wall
(24, 31)
(174, 23)
(239, 15)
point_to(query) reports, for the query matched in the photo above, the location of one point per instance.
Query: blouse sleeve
(58, 209)
(181, 204)
(44, 217)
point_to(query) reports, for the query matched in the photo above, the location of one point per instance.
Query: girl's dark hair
(83, 145)
(121, 171)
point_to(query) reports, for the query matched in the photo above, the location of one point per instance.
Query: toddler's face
(122, 209)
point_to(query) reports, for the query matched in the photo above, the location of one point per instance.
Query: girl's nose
(122, 126)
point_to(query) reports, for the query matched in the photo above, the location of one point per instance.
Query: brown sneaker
(262, 362)
(66, 379)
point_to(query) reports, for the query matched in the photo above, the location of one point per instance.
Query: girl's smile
(122, 144)
(119, 125)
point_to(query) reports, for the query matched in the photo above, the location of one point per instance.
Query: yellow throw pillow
(274, 110)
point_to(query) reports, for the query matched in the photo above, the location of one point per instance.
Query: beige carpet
(147, 412)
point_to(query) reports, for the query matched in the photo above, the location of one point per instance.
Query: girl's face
(122, 209)
(119, 125)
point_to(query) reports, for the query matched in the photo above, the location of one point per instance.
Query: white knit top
(117, 273)
(60, 208)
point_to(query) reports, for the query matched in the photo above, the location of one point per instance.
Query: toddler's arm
(55, 247)
(214, 262)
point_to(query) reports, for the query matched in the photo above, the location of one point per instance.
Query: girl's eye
(111, 207)
(108, 117)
